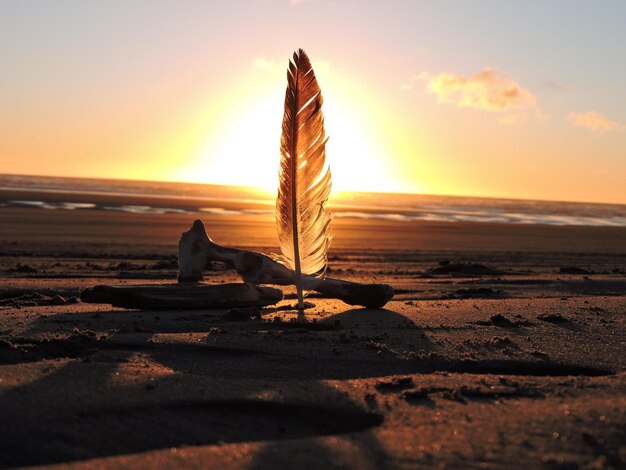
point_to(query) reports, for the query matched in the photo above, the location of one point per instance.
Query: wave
(137, 197)
(431, 215)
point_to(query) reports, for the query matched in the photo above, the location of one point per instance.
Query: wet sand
(503, 347)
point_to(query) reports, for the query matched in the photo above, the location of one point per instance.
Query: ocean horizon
(228, 200)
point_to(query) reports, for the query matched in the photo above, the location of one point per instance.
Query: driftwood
(188, 296)
(196, 249)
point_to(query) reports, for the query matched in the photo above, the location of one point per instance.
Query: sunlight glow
(241, 147)
(154, 91)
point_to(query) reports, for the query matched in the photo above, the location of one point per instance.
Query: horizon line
(262, 189)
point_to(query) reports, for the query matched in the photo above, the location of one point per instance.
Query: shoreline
(456, 212)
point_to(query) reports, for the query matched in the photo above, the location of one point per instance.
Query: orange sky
(499, 99)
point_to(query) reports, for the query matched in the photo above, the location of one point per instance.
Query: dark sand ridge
(55, 228)
(503, 348)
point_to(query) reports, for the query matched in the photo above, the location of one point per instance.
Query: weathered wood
(356, 293)
(182, 296)
(196, 249)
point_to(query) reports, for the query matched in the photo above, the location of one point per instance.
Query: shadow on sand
(117, 383)
(110, 388)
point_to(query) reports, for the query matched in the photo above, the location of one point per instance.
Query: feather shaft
(294, 202)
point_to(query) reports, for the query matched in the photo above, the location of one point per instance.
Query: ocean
(232, 200)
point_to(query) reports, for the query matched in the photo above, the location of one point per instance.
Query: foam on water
(238, 201)
(53, 205)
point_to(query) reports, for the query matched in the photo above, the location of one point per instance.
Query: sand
(503, 348)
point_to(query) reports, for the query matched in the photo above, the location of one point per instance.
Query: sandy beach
(309, 234)
(504, 347)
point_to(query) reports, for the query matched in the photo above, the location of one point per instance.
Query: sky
(480, 98)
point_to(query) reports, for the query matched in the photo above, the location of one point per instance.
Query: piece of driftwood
(187, 296)
(196, 249)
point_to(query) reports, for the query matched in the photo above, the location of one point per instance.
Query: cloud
(488, 90)
(421, 76)
(408, 85)
(264, 64)
(592, 121)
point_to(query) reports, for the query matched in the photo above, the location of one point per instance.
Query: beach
(312, 235)
(504, 345)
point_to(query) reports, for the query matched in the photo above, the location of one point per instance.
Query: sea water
(232, 200)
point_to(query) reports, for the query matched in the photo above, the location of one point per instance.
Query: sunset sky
(523, 99)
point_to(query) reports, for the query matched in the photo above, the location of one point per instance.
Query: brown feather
(301, 216)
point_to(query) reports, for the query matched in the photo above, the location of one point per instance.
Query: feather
(302, 219)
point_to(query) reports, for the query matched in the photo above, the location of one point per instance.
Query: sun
(241, 143)
(243, 149)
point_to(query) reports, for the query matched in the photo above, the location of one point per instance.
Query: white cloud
(264, 64)
(593, 121)
(422, 76)
(488, 90)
